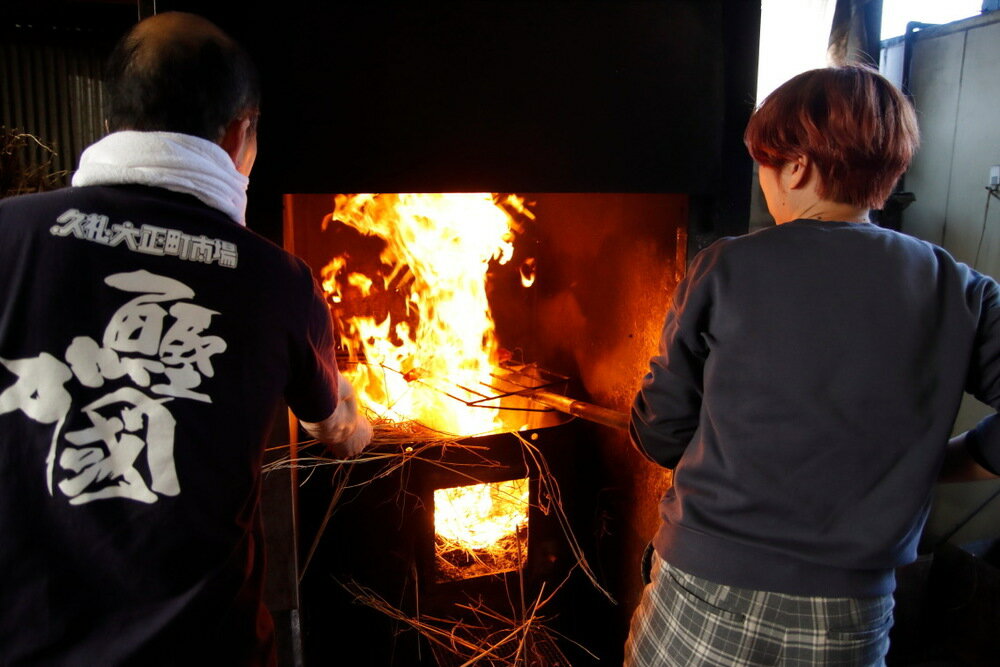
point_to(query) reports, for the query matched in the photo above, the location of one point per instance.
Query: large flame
(435, 341)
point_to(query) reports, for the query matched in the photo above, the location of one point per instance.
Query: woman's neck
(829, 210)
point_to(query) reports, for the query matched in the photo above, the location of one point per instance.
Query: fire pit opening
(480, 529)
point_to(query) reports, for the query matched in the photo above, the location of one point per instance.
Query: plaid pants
(684, 621)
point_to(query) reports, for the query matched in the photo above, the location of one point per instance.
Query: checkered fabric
(685, 621)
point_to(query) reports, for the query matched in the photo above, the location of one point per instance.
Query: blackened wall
(602, 96)
(555, 96)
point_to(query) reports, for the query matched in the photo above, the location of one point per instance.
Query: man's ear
(799, 172)
(235, 138)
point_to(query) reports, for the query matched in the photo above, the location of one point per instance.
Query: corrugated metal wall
(956, 92)
(50, 87)
(953, 79)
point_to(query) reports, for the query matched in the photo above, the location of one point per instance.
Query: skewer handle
(583, 410)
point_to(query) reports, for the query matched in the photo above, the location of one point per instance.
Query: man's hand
(346, 432)
(959, 466)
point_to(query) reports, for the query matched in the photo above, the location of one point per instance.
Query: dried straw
(491, 638)
(550, 500)
(393, 445)
(483, 635)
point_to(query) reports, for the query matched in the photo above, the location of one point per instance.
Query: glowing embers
(480, 529)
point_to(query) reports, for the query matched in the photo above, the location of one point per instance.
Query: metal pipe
(911, 30)
(146, 8)
(588, 411)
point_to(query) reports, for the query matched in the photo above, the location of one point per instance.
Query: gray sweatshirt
(805, 388)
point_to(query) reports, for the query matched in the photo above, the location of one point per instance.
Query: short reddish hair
(858, 129)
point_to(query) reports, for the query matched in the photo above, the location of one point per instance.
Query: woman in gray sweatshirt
(805, 388)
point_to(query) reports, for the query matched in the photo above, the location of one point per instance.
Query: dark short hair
(858, 129)
(189, 86)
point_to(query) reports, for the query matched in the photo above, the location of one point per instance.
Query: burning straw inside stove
(480, 529)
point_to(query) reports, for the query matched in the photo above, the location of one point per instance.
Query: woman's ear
(799, 172)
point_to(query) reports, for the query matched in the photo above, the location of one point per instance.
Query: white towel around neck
(178, 162)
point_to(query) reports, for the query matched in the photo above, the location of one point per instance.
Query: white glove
(346, 432)
(357, 441)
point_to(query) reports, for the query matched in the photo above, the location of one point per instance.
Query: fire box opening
(480, 529)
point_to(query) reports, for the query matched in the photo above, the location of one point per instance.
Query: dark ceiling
(583, 96)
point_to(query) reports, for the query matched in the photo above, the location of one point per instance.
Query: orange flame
(437, 250)
(528, 269)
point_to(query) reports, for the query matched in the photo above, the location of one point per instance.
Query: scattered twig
(483, 635)
(19, 174)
